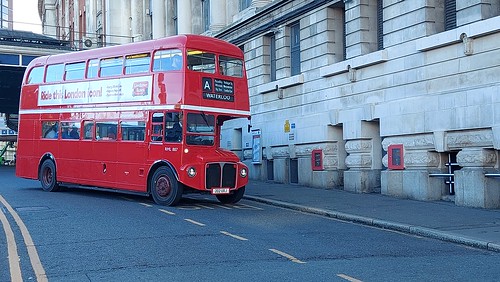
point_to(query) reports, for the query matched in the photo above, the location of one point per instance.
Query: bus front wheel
(47, 176)
(232, 198)
(165, 188)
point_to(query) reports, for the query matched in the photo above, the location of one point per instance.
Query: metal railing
(450, 175)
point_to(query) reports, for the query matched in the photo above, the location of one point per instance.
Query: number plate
(217, 191)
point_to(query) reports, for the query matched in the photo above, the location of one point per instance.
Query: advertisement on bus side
(131, 89)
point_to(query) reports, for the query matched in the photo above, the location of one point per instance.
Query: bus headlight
(243, 172)
(191, 172)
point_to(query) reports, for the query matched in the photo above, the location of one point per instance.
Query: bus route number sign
(218, 89)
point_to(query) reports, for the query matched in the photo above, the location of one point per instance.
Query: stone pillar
(472, 188)
(469, 11)
(260, 3)
(361, 177)
(361, 27)
(184, 17)
(171, 18)
(280, 156)
(123, 23)
(217, 15)
(158, 10)
(419, 159)
(495, 131)
(49, 19)
(364, 156)
(333, 156)
(136, 21)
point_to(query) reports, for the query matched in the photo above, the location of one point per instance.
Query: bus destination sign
(218, 89)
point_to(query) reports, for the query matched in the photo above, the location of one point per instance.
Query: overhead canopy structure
(10, 87)
(17, 49)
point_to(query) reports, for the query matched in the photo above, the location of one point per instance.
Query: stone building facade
(395, 97)
(421, 76)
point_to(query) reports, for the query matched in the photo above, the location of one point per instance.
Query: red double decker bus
(143, 117)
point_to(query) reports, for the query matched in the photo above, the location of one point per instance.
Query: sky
(26, 15)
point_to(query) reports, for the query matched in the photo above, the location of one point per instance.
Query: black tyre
(165, 188)
(232, 198)
(47, 176)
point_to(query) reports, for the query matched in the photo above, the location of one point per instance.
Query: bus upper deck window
(75, 71)
(55, 73)
(111, 66)
(137, 63)
(167, 60)
(201, 61)
(230, 66)
(93, 68)
(36, 75)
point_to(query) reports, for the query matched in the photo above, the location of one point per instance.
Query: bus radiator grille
(220, 175)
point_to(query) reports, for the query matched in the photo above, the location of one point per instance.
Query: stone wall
(433, 91)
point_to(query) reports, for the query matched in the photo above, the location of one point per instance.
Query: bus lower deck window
(106, 130)
(50, 129)
(70, 130)
(133, 130)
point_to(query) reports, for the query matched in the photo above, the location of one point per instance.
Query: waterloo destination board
(218, 89)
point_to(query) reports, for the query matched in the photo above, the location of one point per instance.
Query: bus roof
(189, 41)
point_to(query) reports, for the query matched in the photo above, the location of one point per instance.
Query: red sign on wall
(396, 156)
(317, 159)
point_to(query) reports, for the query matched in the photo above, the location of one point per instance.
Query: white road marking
(14, 266)
(167, 212)
(234, 236)
(194, 222)
(348, 278)
(32, 252)
(290, 257)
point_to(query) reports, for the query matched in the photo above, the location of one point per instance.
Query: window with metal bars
(245, 4)
(270, 169)
(272, 57)
(205, 7)
(450, 14)
(294, 171)
(380, 25)
(295, 48)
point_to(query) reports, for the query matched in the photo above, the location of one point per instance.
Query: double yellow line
(14, 265)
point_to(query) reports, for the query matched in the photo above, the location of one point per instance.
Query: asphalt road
(83, 235)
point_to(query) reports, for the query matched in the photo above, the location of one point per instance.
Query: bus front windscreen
(200, 129)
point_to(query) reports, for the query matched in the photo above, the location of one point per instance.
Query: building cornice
(266, 27)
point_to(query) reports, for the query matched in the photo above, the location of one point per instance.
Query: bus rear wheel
(47, 176)
(165, 189)
(232, 198)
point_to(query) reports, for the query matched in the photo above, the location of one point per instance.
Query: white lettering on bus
(75, 94)
(131, 89)
(95, 93)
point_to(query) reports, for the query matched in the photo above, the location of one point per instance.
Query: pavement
(443, 220)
